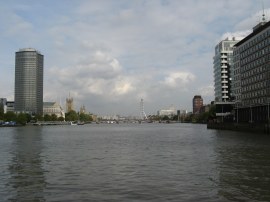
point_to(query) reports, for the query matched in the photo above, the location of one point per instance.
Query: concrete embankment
(245, 127)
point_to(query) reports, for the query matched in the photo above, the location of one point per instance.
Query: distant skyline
(110, 54)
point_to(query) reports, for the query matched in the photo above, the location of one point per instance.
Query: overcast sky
(108, 54)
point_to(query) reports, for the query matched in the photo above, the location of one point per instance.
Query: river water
(133, 162)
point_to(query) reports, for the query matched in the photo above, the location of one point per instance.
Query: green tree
(38, 117)
(165, 118)
(22, 118)
(28, 117)
(155, 118)
(212, 112)
(1, 112)
(60, 118)
(175, 118)
(54, 117)
(202, 117)
(47, 117)
(71, 116)
(189, 118)
(85, 117)
(10, 116)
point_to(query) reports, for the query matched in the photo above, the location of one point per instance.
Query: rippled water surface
(136, 162)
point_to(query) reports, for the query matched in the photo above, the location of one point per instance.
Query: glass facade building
(29, 81)
(252, 75)
(223, 72)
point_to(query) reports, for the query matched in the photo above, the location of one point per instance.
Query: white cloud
(238, 35)
(207, 91)
(97, 74)
(179, 79)
(122, 87)
(110, 54)
(14, 25)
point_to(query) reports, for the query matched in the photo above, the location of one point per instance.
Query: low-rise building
(10, 106)
(171, 111)
(3, 103)
(51, 108)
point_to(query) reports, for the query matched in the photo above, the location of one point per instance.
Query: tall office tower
(197, 104)
(223, 69)
(29, 81)
(251, 61)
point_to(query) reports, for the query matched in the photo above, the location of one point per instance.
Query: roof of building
(257, 29)
(48, 104)
(28, 50)
(197, 97)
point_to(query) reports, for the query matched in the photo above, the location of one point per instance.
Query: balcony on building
(224, 76)
(224, 71)
(223, 56)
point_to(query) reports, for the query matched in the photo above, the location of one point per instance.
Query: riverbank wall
(244, 127)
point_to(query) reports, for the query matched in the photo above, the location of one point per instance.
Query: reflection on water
(243, 166)
(26, 172)
(151, 162)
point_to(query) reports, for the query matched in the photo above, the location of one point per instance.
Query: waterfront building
(197, 104)
(29, 81)
(69, 104)
(223, 69)
(110, 117)
(82, 110)
(205, 108)
(251, 69)
(183, 112)
(51, 108)
(170, 112)
(3, 104)
(10, 106)
(224, 111)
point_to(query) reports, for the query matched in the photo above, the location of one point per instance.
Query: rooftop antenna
(263, 15)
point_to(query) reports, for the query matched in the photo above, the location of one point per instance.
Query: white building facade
(171, 111)
(223, 69)
(3, 104)
(51, 108)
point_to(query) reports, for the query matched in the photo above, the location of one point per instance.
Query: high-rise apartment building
(252, 75)
(223, 69)
(197, 104)
(29, 81)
